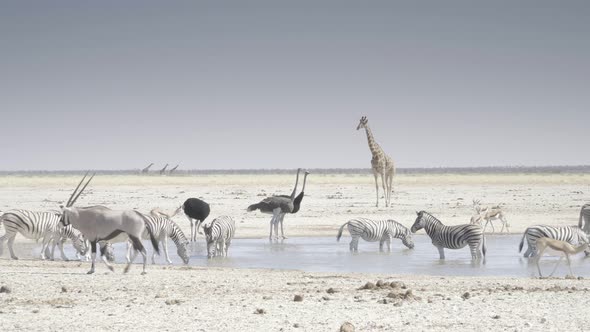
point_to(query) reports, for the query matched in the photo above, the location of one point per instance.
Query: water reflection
(327, 255)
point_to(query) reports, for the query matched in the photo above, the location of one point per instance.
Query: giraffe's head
(362, 123)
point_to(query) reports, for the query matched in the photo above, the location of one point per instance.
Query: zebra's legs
(441, 252)
(475, 253)
(103, 257)
(227, 246)
(164, 241)
(354, 244)
(10, 244)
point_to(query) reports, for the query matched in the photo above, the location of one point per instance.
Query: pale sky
(282, 84)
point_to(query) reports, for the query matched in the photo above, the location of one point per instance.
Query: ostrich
(296, 206)
(276, 205)
(196, 211)
(147, 169)
(163, 169)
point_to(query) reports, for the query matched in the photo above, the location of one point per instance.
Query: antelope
(562, 246)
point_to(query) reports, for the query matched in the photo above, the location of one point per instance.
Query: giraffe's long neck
(373, 146)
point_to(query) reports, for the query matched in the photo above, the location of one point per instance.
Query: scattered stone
(466, 296)
(35, 311)
(64, 289)
(368, 285)
(347, 327)
(331, 291)
(325, 298)
(260, 311)
(266, 297)
(296, 325)
(298, 298)
(527, 324)
(496, 317)
(379, 283)
(543, 320)
(173, 301)
(5, 289)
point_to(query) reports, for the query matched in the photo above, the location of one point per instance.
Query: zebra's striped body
(162, 228)
(376, 230)
(451, 237)
(219, 234)
(571, 234)
(32, 225)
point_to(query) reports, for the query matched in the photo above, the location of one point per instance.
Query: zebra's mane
(176, 234)
(430, 217)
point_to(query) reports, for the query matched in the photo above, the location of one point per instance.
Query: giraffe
(147, 169)
(163, 169)
(381, 164)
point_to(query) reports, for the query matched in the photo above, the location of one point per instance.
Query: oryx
(98, 223)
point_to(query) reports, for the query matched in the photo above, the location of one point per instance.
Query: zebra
(451, 237)
(32, 225)
(69, 232)
(376, 230)
(162, 228)
(219, 234)
(571, 234)
(584, 222)
(40, 225)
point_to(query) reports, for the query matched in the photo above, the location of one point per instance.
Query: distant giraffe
(381, 164)
(163, 169)
(147, 169)
(173, 169)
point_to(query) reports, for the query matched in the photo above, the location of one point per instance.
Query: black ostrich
(196, 211)
(276, 205)
(296, 207)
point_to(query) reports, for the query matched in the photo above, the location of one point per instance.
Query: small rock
(298, 298)
(173, 301)
(347, 327)
(368, 285)
(527, 324)
(325, 298)
(266, 297)
(331, 291)
(466, 296)
(379, 283)
(496, 316)
(35, 311)
(543, 320)
(5, 289)
(296, 325)
(64, 289)
(260, 311)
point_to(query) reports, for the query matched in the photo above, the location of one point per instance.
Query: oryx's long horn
(82, 190)
(69, 203)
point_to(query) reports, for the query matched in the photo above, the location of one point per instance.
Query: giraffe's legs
(384, 186)
(376, 188)
(389, 185)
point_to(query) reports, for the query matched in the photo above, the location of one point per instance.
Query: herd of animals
(97, 227)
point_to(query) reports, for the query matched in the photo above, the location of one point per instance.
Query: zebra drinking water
(219, 234)
(376, 230)
(162, 228)
(65, 233)
(571, 234)
(451, 237)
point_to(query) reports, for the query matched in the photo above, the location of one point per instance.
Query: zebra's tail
(522, 241)
(152, 237)
(340, 231)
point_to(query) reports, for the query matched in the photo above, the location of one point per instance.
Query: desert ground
(38, 295)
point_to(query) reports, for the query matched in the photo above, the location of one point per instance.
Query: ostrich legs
(296, 207)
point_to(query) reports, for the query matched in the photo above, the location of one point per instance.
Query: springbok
(489, 214)
(566, 248)
(98, 223)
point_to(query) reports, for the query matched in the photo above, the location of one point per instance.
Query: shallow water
(327, 255)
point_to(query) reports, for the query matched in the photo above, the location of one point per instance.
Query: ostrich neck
(296, 182)
(373, 146)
